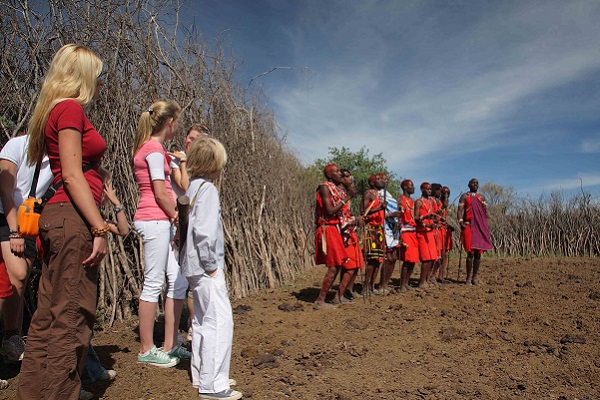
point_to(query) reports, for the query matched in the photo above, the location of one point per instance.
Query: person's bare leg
(406, 272)
(469, 268)
(327, 282)
(147, 316)
(369, 274)
(476, 263)
(350, 286)
(443, 267)
(386, 274)
(435, 266)
(376, 269)
(425, 266)
(190, 307)
(173, 308)
(346, 277)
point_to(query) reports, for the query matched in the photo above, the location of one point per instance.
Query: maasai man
(374, 207)
(409, 253)
(329, 246)
(475, 234)
(355, 260)
(446, 233)
(424, 214)
(392, 236)
(436, 202)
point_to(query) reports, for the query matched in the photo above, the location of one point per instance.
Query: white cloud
(585, 180)
(410, 90)
(591, 145)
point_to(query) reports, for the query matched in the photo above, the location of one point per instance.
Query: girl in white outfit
(203, 263)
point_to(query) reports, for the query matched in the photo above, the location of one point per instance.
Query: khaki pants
(61, 328)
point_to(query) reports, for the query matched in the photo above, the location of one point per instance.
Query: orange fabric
(426, 208)
(427, 247)
(378, 217)
(408, 205)
(354, 254)
(410, 253)
(336, 252)
(446, 236)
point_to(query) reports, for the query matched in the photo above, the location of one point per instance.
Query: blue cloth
(93, 369)
(391, 225)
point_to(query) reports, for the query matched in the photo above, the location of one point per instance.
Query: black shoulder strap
(52, 189)
(36, 176)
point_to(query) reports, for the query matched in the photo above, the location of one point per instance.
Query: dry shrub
(148, 54)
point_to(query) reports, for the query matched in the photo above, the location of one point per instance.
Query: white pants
(160, 260)
(212, 333)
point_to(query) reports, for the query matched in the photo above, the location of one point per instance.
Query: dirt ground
(530, 330)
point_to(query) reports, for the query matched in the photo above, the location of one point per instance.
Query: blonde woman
(72, 231)
(154, 220)
(203, 263)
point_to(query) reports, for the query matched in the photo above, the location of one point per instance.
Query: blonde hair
(73, 74)
(205, 156)
(152, 121)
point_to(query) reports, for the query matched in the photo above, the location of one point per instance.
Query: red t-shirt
(68, 114)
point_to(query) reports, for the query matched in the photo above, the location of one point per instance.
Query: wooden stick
(183, 208)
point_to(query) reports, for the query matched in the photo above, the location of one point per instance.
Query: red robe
(410, 250)
(353, 251)
(329, 246)
(426, 236)
(468, 216)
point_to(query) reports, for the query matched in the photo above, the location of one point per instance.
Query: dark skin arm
(368, 199)
(460, 213)
(418, 219)
(329, 208)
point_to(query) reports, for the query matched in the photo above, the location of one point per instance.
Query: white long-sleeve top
(204, 249)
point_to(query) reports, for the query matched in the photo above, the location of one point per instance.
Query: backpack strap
(52, 189)
(36, 176)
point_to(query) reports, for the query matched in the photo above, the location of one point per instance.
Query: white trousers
(159, 259)
(212, 333)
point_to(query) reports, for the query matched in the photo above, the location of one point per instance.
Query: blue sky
(504, 91)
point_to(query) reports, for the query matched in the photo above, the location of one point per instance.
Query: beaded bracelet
(14, 235)
(100, 231)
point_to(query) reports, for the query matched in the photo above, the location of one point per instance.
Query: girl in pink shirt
(154, 220)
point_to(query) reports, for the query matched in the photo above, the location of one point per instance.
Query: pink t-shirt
(148, 209)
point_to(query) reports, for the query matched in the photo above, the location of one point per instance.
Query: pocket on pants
(52, 232)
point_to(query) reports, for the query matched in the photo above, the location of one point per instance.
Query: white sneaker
(13, 348)
(224, 395)
(232, 382)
